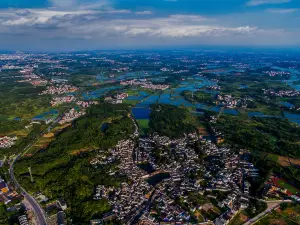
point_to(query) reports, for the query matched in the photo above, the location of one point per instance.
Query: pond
(295, 118)
(137, 98)
(150, 100)
(146, 167)
(98, 93)
(173, 100)
(141, 113)
(104, 127)
(231, 111)
(156, 179)
(287, 104)
(243, 86)
(215, 109)
(46, 115)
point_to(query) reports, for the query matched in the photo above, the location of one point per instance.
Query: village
(145, 84)
(282, 93)
(7, 142)
(59, 89)
(160, 185)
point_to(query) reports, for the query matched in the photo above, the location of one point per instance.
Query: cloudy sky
(142, 24)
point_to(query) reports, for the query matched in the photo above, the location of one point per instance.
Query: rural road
(38, 211)
(271, 205)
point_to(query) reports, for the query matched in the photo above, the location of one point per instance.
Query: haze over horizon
(72, 25)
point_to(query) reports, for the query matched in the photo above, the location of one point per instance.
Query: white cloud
(143, 12)
(265, 2)
(111, 27)
(94, 24)
(282, 11)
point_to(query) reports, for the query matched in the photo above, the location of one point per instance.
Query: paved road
(38, 211)
(271, 205)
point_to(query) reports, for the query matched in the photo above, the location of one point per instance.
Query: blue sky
(134, 24)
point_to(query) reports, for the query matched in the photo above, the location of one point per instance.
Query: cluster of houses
(30, 77)
(145, 84)
(86, 104)
(71, 115)
(58, 206)
(165, 69)
(60, 100)
(23, 220)
(231, 102)
(214, 87)
(6, 193)
(7, 142)
(129, 197)
(101, 192)
(274, 190)
(282, 93)
(60, 89)
(227, 100)
(116, 99)
(120, 70)
(181, 71)
(57, 219)
(276, 73)
(224, 171)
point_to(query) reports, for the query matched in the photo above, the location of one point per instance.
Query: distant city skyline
(74, 25)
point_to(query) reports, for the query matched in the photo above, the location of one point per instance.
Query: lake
(46, 115)
(156, 179)
(98, 93)
(141, 113)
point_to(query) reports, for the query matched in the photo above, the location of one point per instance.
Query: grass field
(143, 125)
(131, 102)
(279, 182)
(272, 157)
(282, 183)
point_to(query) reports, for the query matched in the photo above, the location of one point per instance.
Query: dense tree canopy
(63, 170)
(170, 121)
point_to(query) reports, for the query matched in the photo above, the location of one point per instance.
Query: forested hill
(63, 169)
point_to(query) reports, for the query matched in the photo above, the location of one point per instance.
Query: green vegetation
(255, 207)
(270, 135)
(199, 96)
(9, 218)
(287, 186)
(264, 135)
(143, 126)
(63, 169)
(255, 82)
(22, 100)
(26, 138)
(4, 217)
(288, 214)
(170, 121)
